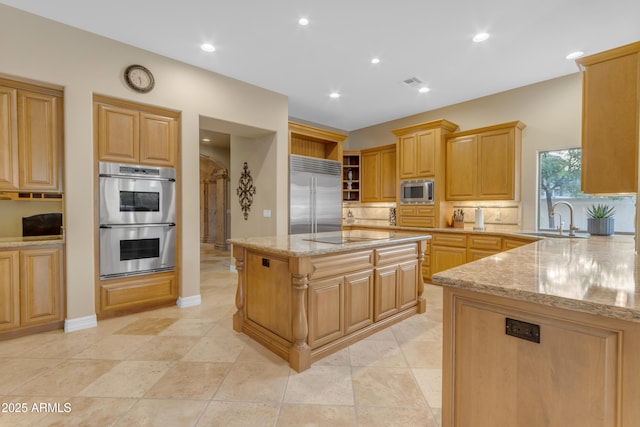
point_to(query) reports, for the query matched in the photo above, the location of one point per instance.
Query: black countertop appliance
(46, 224)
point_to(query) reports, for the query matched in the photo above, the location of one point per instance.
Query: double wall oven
(137, 219)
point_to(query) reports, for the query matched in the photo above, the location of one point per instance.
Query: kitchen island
(547, 334)
(306, 296)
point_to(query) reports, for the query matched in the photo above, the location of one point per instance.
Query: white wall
(552, 111)
(84, 64)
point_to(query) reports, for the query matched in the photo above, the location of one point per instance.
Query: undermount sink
(557, 236)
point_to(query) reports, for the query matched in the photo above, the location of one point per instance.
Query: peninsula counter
(306, 296)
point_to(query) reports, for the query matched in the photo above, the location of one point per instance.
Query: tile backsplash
(369, 213)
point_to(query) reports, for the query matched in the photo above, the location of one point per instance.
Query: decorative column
(422, 302)
(221, 235)
(238, 317)
(300, 352)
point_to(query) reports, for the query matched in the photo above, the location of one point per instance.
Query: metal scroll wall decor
(245, 191)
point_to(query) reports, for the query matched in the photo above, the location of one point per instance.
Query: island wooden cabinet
(379, 174)
(131, 133)
(30, 137)
(611, 120)
(31, 289)
(484, 164)
(508, 362)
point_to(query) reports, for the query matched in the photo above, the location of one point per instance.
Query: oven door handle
(169, 224)
(149, 178)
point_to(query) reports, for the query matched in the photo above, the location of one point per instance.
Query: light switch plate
(266, 213)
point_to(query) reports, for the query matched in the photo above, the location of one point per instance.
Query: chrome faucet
(572, 227)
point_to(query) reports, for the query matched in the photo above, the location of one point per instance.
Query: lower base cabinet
(131, 294)
(31, 288)
(578, 374)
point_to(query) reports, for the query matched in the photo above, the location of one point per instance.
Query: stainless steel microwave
(417, 191)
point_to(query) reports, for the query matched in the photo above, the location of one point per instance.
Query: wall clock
(139, 78)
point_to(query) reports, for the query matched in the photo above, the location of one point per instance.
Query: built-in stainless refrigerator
(315, 195)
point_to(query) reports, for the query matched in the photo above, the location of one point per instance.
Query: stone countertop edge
(519, 234)
(296, 245)
(601, 276)
(19, 242)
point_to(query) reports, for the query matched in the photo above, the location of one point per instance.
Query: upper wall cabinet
(418, 148)
(611, 120)
(313, 142)
(131, 133)
(30, 137)
(379, 174)
(484, 164)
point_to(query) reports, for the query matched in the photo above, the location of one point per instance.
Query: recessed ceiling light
(576, 54)
(303, 21)
(480, 37)
(334, 95)
(206, 140)
(375, 60)
(207, 47)
(424, 89)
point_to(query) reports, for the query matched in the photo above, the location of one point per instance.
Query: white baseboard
(80, 323)
(189, 301)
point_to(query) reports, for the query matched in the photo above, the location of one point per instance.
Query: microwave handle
(169, 224)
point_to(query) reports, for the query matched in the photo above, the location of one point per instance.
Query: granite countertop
(304, 245)
(599, 275)
(18, 242)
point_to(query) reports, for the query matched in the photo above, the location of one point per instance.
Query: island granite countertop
(328, 242)
(598, 275)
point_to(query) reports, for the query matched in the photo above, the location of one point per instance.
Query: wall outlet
(498, 216)
(266, 213)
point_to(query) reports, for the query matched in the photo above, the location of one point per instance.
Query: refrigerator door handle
(314, 224)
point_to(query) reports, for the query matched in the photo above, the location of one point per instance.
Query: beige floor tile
(376, 353)
(146, 326)
(213, 349)
(430, 382)
(18, 347)
(114, 347)
(257, 353)
(88, 411)
(423, 354)
(395, 417)
(67, 378)
(324, 385)
(339, 358)
(190, 380)
(188, 327)
(154, 412)
(387, 387)
(127, 379)
(164, 348)
(64, 346)
(316, 415)
(16, 372)
(239, 414)
(263, 382)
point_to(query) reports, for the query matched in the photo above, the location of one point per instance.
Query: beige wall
(11, 213)
(551, 110)
(85, 64)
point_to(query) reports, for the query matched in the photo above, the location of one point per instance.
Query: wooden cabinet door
(158, 136)
(326, 311)
(501, 380)
(8, 139)
(386, 292)
(9, 290)
(358, 301)
(610, 121)
(40, 286)
(446, 257)
(387, 176)
(118, 134)
(39, 130)
(461, 170)
(496, 161)
(370, 190)
(425, 154)
(407, 160)
(407, 281)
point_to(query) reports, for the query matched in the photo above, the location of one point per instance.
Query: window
(559, 179)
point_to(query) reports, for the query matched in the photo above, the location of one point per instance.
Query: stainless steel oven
(131, 194)
(136, 249)
(137, 219)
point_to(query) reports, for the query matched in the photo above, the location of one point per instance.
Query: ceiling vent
(413, 82)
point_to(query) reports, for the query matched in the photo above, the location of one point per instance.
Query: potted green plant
(600, 219)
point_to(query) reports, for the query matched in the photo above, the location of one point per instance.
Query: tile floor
(187, 367)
